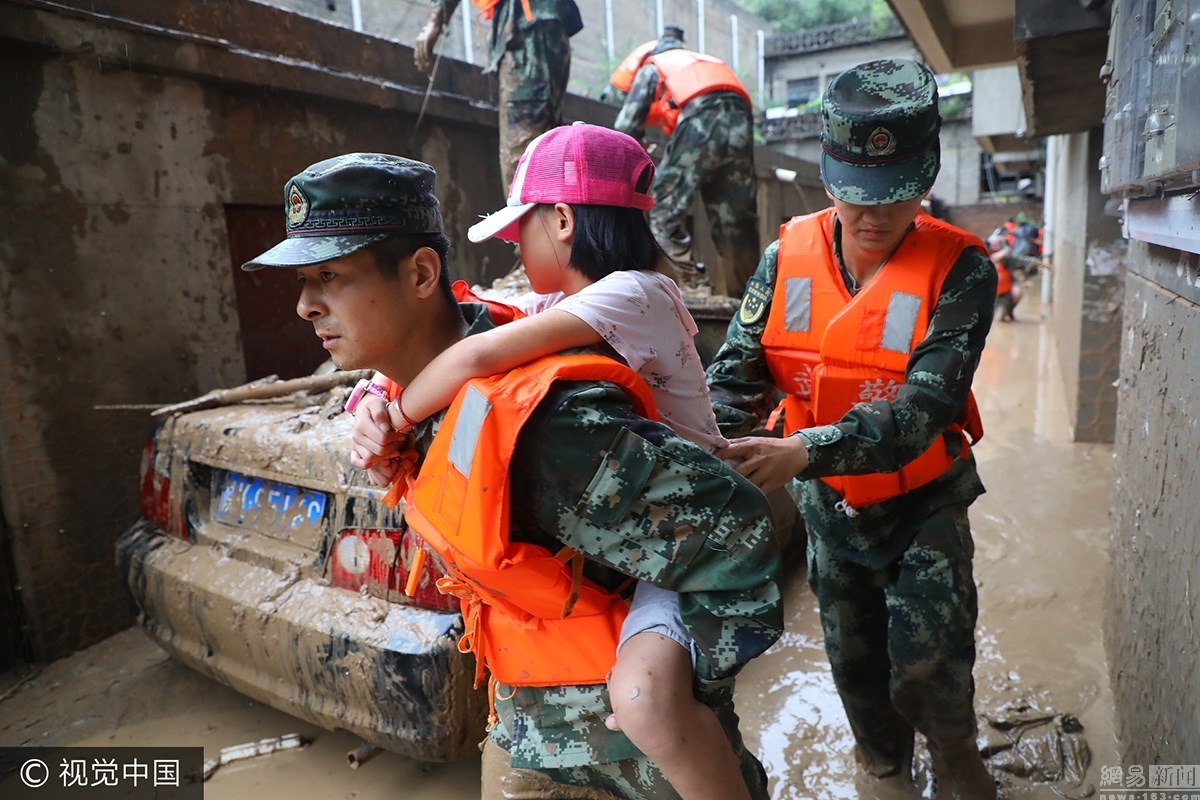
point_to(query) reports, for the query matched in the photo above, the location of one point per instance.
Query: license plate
(275, 509)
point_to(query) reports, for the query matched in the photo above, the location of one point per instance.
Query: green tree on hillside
(795, 15)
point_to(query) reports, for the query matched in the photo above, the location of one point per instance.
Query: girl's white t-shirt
(641, 315)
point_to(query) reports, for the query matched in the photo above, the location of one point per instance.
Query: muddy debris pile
(1038, 745)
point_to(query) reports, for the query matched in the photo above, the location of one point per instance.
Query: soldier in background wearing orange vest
(1009, 267)
(530, 47)
(544, 489)
(700, 103)
(621, 81)
(871, 317)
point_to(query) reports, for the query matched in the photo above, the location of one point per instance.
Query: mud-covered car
(265, 561)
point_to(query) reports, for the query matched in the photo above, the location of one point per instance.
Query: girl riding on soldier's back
(576, 206)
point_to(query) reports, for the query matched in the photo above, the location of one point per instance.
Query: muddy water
(1041, 536)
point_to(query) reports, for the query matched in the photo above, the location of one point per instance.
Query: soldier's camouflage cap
(344, 203)
(879, 140)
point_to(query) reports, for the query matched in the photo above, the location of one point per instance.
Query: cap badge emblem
(881, 142)
(297, 206)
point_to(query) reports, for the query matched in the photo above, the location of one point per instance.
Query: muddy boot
(690, 275)
(884, 782)
(959, 773)
(893, 787)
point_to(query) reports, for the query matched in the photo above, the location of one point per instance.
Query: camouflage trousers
(901, 641)
(533, 78)
(628, 779)
(711, 153)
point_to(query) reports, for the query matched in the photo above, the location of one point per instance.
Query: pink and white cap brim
(504, 224)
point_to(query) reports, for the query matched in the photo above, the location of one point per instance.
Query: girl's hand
(765, 461)
(374, 446)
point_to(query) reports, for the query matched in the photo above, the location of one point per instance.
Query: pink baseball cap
(578, 164)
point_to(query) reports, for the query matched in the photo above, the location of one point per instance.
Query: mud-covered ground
(1041, 538)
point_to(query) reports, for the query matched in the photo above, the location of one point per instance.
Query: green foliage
(796, 15)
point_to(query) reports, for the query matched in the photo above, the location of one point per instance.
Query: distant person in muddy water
(530, 49)
(544, 489)
(1009, 268)
(871, 318)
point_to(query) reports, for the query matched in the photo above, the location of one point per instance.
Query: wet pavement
(1041, 538)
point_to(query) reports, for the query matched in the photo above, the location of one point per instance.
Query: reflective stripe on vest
(465, 438)
(682, 75)
(798, 313)
(829, 351)
(514, 594)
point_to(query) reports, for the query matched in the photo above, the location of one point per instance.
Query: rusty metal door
(274, 340)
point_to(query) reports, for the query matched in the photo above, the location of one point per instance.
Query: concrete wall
(1152, 610)
(128, 137)
(958, 182)
(1089, 266)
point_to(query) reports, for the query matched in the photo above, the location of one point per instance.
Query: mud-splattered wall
(1153, 598)
(127, 136)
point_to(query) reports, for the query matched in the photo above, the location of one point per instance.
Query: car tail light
(155, 499)
(378, 561)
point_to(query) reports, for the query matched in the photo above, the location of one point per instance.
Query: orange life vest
(488, 8)
(682, 75)
(622, 77)
(530, 616)
(1010, 233)
(1005, 283)
(500, 312)
(829, 351)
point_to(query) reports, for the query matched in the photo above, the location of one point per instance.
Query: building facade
(800, 65)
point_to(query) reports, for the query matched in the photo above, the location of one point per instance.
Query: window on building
(801, 91)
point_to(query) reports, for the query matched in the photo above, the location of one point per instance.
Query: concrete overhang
(1057, 45)
(998, 122)
(1061, 47)
(959, 35)
(1019, 160)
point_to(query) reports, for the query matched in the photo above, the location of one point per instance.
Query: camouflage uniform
(894, 583)
(711, 152)
(534, 63)
(893, 579)
(637, 500)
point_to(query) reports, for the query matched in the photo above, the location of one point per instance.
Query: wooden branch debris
(265, 388)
